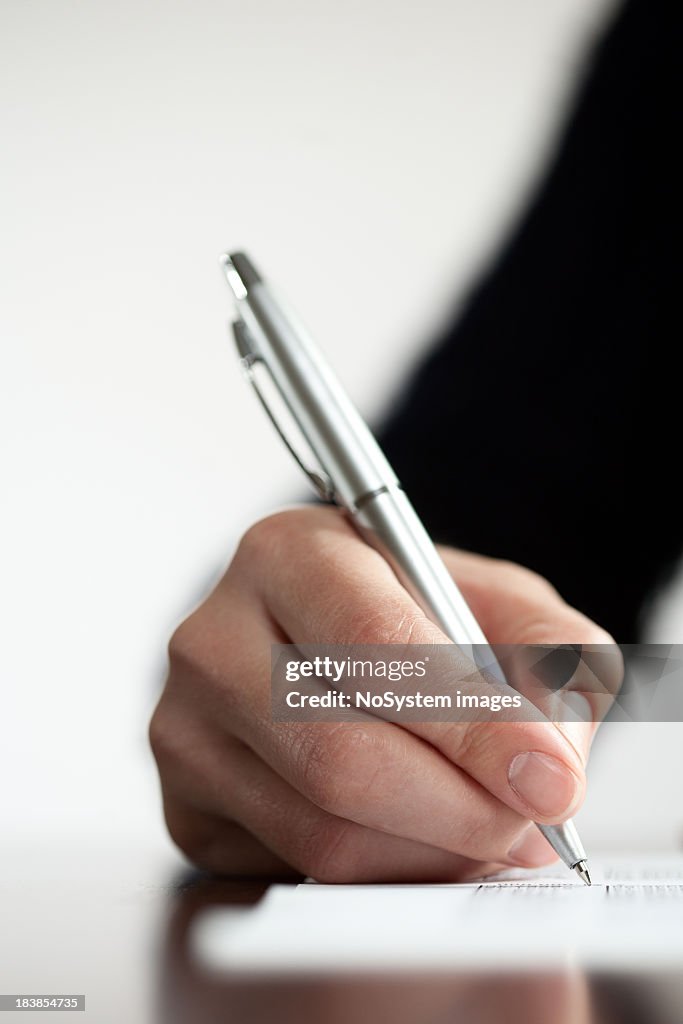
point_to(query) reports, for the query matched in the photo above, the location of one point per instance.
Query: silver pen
(352, 470)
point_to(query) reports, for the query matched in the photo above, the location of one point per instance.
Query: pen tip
(582, 871)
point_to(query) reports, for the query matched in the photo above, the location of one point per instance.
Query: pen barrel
(388, 522)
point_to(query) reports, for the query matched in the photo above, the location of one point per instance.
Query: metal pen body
(364, 482)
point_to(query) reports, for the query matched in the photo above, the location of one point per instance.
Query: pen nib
(582, 871)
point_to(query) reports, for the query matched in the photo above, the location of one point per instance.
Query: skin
(368, 800)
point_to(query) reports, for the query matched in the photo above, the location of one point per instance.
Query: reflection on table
(188, 991)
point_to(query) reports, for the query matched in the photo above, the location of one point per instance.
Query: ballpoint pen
(353, 471)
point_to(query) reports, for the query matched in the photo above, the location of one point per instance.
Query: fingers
(382, 777)
(526, 765)
(289, 830)
(369, 772)
(361, 800)
(219, 845)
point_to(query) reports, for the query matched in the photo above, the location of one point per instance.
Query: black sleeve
(544, 428)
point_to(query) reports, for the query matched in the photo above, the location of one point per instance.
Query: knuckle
(159, 735)
(187, 642)
(207, 660)
(180, 742)
(388, 622)
(471, 742)
(167, 742)
(334, 766)
(270, 535)
(460, 741)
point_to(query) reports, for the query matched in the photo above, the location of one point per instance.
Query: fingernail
(531, 850)
(547, 787)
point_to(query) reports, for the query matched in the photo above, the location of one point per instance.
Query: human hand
(355, 801)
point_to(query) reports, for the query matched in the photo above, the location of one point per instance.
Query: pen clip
(250, 360)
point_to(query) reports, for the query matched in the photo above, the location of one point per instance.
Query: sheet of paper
(632, 916)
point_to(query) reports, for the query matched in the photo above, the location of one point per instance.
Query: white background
(369, 154)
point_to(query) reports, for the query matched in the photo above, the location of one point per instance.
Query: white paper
(632, 916)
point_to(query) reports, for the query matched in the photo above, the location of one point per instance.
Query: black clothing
(562, 374)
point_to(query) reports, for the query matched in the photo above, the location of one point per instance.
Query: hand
(361, 801)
